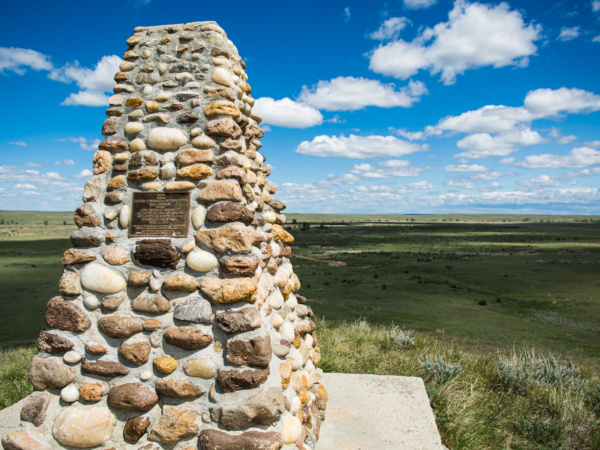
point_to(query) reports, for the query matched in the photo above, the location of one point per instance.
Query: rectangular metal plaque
(159, 214)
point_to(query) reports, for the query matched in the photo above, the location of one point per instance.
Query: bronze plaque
(159, 214)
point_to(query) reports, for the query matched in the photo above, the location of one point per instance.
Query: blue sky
(397, 106)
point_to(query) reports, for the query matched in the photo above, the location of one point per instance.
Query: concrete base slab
(364, 412)
(374, 412)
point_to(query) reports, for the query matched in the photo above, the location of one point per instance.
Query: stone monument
(179, 323)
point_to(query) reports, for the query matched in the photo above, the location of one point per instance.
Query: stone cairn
(196, 337)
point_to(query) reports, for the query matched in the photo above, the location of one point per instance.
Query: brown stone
(73, 256)
(235, 380)
(165, 364)
(230, 212)
(252, 352)
(254, 131)
(143, 174)
(187, 118)
(86, 217)
(264, 407)
(158, 118)
(139, 278)
(137, 353)
(157, 253)
(118, 181)
(305, 326)
(213, 439)
(92, 392)
(219, 92)
(191, 156)
(113, 145)
(188, 338)
(53, 343)
(239, 265)
(135, 428)
(95, 349)
(150, 303)
(174, 107)
(50, 373)
(109, 126)
(69, 284)
(113, 112)
(19, 440)
(277, 205)
(221, 107)
(132, 396)
(232, 144)
(238, 320)
(102, 161)
(282, 235)
(113, 198)
(178, 388)
(35, 408)
(180, 282)
(152, 325)
(112, 303)
(64, 315)
(174, 425)
(235, 239)
(195, 172)
(233, 172)
(109, 369)
(143, 158)
(222, 190)
(225, 127)
(119, 326)
(146, 78)
(229, 290)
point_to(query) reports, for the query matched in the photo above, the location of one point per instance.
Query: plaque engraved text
(159, 214)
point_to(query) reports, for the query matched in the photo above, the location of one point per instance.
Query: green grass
(473, 409)
(14, 366)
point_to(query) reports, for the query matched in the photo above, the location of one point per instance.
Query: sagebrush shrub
(438, 370)
(399, 337)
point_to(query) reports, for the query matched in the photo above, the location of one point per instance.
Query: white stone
(151, 185)
(69, 393)
(116, 100)
(223, 76)
(137, 145)
(184, 76)
(155, 284)
(296, 356)
(110, 214)
(162, 68)
(287, 331)
(145, 376)
(124, 216)
(201, 261)
(291, 429)
(308, 339)
(122, 156)
(277, 320)
(91, 302)
(134, 127)
(96, 277)
(168, 157)
(275, 299)
(292, 302)
(84, 426)
(72, 357)
(192, 85)
(162, 138)
(196, 132)
(291, 316)
(168, 171)
(147, 90)
(270, 216)
(309, 367)
(259, 159)
(203, 141)
(92, 188)
(198, 216)
(295, 405)
(136, 114)
(154, 339)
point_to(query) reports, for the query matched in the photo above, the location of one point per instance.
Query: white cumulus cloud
(349, 94)
(551, 102)
(390, 28)
(416, 4)
(357, 147)
(466, 168)
(287, 113)
(484, 145)
(18, 60)
(85, 173)
(476, 35)
(568, 33)
(596, 5)
(578, 157)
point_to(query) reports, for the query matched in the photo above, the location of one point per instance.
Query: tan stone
(116, 255)
(178, 388)
(119, 326)
(139, 278)
(229, 290)
(174, 425)
(191, 156)
(179, 186)
(221, 107)
(235, 239)
(112, 303)
(181, 282)
(92, 392)
(222, 190)
(282, 235)
(187, 338)
(137, 353)
(19, 440)
(69, 284)
(117, 182)
(102, 161)
(143, 174)
(201, 368)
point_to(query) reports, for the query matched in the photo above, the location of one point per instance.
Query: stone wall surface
(199, 341)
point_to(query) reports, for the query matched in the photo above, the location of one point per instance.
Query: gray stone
(211, 439)
(50, 373)
(174, 425)
(35, 409)
(88, 237)
(264, 407)
(238, 320)
(53, 343)
(195, 310)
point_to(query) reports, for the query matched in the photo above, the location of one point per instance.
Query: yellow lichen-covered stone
(180, 282)
(282, 235)
(117, 182)
(151, 106)
(229, 290)
(165, 364)
(221, 107)
(195, 172)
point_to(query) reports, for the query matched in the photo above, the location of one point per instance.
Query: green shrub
(438, 370)
(546, 433)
